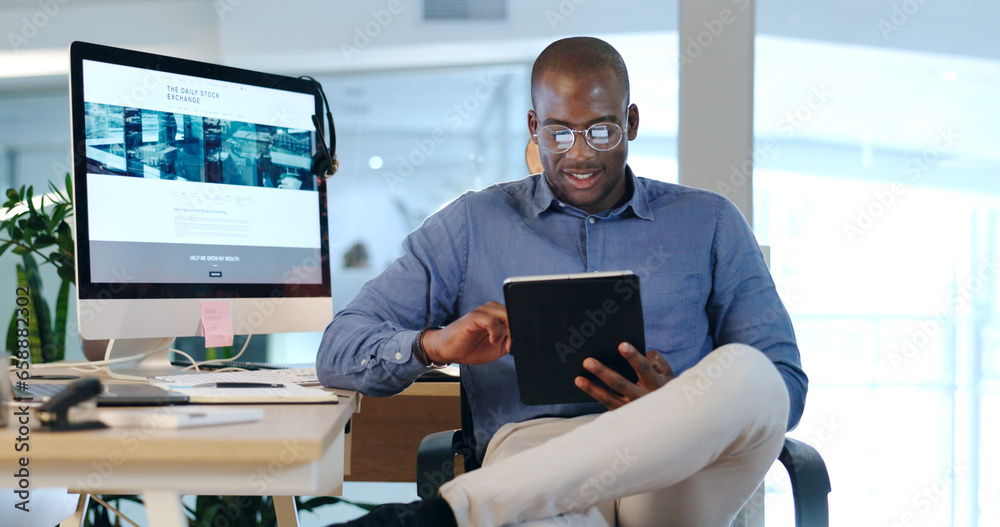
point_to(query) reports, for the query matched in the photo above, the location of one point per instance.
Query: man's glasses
(557, 139)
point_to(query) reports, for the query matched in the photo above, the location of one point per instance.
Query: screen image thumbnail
(135, 142)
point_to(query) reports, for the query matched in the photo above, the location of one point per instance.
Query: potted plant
(41, 233)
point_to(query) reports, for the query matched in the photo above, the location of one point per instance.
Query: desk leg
(78, 517)
(164, 509)
(284, 510)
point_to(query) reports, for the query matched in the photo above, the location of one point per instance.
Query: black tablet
(556, 321)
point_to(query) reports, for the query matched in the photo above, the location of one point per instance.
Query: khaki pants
(690, 453)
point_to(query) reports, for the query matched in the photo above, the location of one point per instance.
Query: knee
(744, 370)
(751, 363)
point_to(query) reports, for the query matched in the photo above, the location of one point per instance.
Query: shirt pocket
(672, 310)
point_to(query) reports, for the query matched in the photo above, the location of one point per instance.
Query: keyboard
(246, 365)
(300, 376)
(38, 391)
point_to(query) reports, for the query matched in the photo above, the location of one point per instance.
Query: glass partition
(876, 189)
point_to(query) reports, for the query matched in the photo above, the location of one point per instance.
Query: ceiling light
(33, 63)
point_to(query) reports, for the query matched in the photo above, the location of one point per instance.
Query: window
(878, 197)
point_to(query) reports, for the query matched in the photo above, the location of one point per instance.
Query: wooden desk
(387, 431)
(295, 450)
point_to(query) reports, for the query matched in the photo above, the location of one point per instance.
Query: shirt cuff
(400, 354)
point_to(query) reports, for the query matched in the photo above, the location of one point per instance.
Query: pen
(238, 385)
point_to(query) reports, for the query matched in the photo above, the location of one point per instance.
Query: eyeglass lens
(600, 136)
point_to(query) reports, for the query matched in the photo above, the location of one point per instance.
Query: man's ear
(633, 122)
(533, 125)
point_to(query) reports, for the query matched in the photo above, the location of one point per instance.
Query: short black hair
(579, 54)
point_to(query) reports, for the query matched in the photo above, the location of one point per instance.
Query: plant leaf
(67, 273)
(58, 347)
(37, 222)
(65, 239)
(12, 335)
(44, 240)
(58, 192)
(57, 215)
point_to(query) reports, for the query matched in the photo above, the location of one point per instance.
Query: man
(687, 450)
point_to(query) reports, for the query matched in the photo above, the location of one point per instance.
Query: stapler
(54, 414)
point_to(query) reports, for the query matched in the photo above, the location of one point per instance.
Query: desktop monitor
(192, 183)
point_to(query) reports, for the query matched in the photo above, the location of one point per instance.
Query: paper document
(289, 393)
(175, 417)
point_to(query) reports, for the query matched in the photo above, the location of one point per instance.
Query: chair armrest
(810, 483)
(436, 461)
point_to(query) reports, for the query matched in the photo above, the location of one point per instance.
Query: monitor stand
(140, 359)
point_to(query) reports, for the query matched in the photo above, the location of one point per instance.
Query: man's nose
(580, 149)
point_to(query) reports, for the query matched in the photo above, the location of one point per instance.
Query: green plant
(252, 511)
(211, 511)
(41, 232)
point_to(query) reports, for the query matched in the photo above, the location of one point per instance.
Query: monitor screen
(192, 182)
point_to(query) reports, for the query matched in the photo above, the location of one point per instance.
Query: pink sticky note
(217, 323)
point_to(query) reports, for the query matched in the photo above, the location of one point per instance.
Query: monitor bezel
(105, 291)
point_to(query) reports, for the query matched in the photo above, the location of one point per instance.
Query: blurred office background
(876, 182)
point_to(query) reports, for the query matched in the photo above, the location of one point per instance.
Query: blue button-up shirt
(704, 284)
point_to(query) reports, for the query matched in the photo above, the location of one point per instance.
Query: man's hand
(478, 337)
(653, 372)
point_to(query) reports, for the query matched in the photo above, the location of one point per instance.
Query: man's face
(588, 179)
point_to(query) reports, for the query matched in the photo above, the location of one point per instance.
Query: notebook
(556, 321)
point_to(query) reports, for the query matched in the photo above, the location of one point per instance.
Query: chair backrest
(468, 433)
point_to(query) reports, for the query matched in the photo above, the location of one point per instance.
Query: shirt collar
(544, 199)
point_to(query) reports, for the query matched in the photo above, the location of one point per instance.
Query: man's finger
(495, 309)
(643, 368)
(497, 331)
(608, 399)
(660, 364)
(493, 318)
(610, 377)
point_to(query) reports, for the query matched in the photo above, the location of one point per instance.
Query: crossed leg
(690, 453)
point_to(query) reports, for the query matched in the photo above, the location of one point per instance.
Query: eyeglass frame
(584, 132)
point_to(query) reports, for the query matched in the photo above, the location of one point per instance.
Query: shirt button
(363, 361)
(399, 356)
(561, 204)
(592, 220)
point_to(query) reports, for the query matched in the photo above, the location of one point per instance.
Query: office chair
(806, 469)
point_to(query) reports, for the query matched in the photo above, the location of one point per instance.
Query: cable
(194, 364)
(93, 366)
(97, 365)
(330, 154)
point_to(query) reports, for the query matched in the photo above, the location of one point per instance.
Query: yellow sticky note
(216, 323)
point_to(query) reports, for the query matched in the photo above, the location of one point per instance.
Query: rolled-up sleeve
(367, 346)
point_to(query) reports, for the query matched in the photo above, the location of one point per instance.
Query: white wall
(345, 36)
